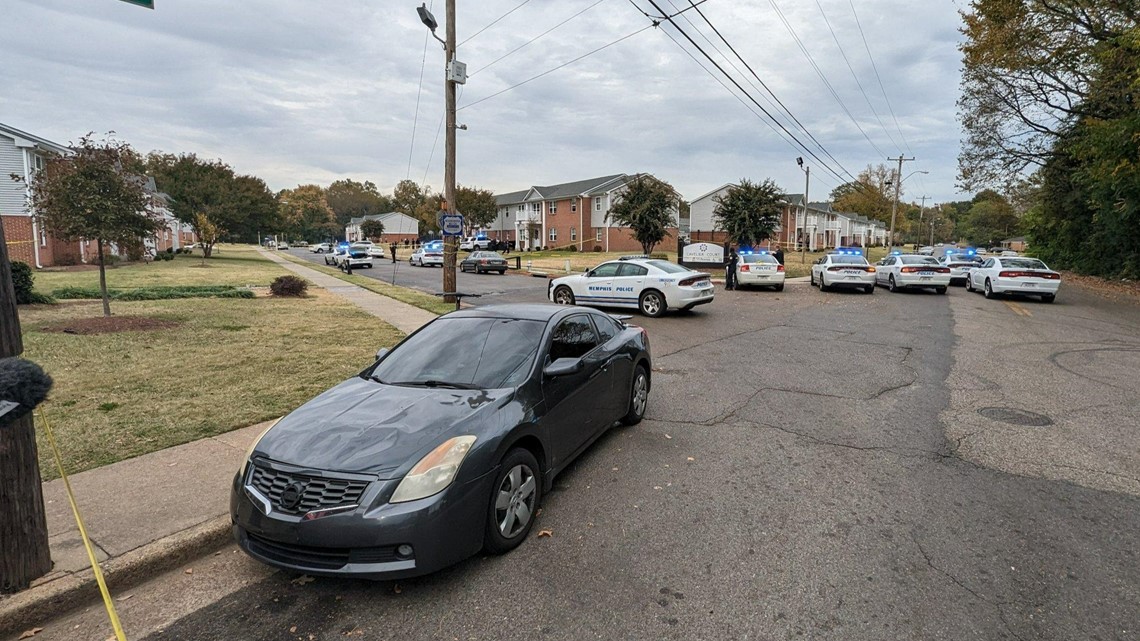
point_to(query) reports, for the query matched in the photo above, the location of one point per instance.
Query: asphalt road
(513, 287)
(813, 466)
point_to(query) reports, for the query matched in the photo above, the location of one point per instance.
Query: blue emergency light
(896, 253)
(849, 251)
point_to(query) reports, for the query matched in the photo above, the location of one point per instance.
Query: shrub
(597, 248)
(156, 293)
(660, 256)
(23, 280)
(170, 250)
(289, 285)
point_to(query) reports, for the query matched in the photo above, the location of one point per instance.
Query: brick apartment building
(567, 214)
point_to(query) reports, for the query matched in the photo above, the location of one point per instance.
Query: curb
(47, 600)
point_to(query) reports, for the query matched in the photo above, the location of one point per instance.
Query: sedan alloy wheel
(652, 304)
(514, 501)
(563, 295)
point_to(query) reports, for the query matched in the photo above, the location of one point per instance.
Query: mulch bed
(1119, 290)
(111, 324)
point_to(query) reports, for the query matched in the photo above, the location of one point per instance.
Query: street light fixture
(807, 185)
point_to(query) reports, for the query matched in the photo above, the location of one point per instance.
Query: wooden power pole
(449, 244)
(24, 553)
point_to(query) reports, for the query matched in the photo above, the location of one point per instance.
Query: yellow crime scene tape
(107, 602)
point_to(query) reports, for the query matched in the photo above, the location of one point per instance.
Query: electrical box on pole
(457, 72)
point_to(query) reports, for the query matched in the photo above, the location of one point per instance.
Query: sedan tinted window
(484, 353)
(1023, 263)
(607, 327)
(573, 338)
(629, 269)
(667, 267)
(758, 258)
(605, 270)
(918, 260)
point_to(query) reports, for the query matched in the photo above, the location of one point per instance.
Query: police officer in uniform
(778, 254)
(730, 271)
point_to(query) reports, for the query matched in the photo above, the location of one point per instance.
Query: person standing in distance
(778, 253)
(730, 270)
(393, 247)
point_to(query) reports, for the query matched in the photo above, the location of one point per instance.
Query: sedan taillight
(1021, 274)
(745, 268)
(779, 268)
(689, 282)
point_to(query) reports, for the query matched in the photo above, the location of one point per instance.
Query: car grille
(317, 493)
(319, 558)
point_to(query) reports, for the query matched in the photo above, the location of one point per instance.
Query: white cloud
(301, 92)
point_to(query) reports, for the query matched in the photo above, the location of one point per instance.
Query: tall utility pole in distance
(452, 73)
(807, 185)
(895, 204)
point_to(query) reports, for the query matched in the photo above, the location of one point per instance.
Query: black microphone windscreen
(23, 382)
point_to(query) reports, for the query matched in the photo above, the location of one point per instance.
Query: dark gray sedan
(484, 261)
(443, 447)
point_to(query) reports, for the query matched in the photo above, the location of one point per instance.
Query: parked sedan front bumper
(363, 543)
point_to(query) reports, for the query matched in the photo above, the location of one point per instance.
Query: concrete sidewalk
(404, 317)
(160, 510)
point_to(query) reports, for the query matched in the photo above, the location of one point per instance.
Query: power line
(755, 75)
(419, 93)
(659, 19)
(469, 38)
(550, 71)
(818, 71)
(749, 96)
(877, 77)
(496, 60)
(856, 77)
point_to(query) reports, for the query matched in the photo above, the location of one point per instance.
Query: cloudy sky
(300, 91)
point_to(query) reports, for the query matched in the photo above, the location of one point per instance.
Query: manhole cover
(1015, 416)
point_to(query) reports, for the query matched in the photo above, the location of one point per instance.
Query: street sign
(451, 224)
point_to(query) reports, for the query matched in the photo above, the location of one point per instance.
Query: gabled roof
(356, 220)
(25, 139)
(713, 192)
(512, 198)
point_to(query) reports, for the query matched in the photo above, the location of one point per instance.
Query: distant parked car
(926, 251)
(482, 261)
(283, 245)
(427, 255)
(472, 243)
(320, 248)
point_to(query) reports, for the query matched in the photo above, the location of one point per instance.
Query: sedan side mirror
(563, 367)
(381, 352)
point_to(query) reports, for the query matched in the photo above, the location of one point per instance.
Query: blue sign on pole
(451, 224)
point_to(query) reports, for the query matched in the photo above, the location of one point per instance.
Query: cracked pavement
(812, 467)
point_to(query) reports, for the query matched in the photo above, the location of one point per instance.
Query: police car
(761, 269)
(901, 271)
(652, 286)
(1014, 275)
(960, 263)
(844, 267)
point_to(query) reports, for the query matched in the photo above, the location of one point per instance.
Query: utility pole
(932, 221)
(895, 204)
(807, 185)
(449, 157)
(24, 553)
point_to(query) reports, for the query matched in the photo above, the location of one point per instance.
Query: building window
(574, 205)
(520, 209)
(598, 234)
(38, 162)
(597, 203)
(43, 236)
(553, 234)
(536, 208)
(552, 206)
(573, 233)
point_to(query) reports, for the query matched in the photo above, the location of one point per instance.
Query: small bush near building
(24, 281)
(156, 293)
(597, 248)
(289, 286)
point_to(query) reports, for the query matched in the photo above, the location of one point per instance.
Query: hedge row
(155, 293)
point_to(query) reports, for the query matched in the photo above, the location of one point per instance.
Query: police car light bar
(633, 257)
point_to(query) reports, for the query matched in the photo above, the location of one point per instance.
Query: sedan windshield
(468, 353)
(918, 260)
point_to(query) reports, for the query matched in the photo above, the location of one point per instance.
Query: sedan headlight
(435, 471)
(249, 453)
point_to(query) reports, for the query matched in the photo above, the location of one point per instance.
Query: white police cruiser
(844, 267)
(651, 285)
(761, 269)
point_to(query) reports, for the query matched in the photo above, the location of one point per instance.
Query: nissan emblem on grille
(291, 496)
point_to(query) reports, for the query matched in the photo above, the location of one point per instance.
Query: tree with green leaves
(351, 199)
(95, 193)
(648, 206)
(749, 212)
(871, 194)
(208, 232)
(241, 205)
(477, 206)
(306, 213)
(990, 220)
(372, 229)
(1030, 69)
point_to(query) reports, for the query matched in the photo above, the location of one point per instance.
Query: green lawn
(228, 363)
(237, 265)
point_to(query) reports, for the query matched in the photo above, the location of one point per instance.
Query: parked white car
(473, 243)
(320, 248)
(911, 271)
(651, 285)
(760, 269)
(1015, 275)
(427, 256)
(843, 268)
